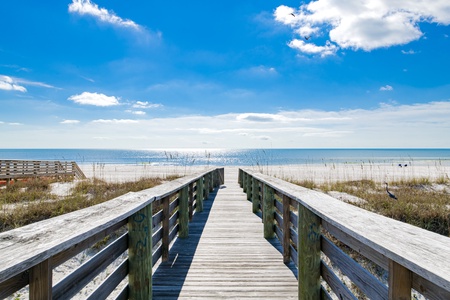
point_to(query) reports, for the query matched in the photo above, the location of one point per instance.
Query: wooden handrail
(303, 220)
(13, 169)
(30, 253)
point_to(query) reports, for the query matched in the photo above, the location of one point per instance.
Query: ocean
(233, 157)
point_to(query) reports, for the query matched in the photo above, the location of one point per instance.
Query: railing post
(183, 210)
(308, 254)
(286, 229)
(255, 195)
(400, 282)
(165, 228)
(206, 186)
(211, 182)
(140, 254)
(41, 281)
(240, 177)
(244, 182)
(199, 195)
(268, 215)
(249, 187)
(191, 201)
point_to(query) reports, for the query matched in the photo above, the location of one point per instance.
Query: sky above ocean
(235, 74)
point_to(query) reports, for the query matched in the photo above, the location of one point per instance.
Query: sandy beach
(318, 173)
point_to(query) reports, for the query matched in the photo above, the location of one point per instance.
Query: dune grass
(421, 202)
(32, 201)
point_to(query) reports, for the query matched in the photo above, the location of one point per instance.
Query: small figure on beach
(389, 193)
(400, 165)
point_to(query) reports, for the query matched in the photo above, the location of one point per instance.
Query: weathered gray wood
(191, 201)
(365, 281)
(428, 289)
(268, 212)
(255, 195)
(419, 250)
(225, 256)
(14, 284)
(337, 286)
(75, 281)
(110, 283)
(286, 230)
(308, 254)
(41, 281)
(249, 188)
(358, 246)
(165, 228)
(199, 195)
(400, 282)
(183, 211)
(140, 253)
(29, 245)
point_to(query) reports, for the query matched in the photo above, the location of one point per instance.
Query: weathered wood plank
(268, 212)
(41, 281)
(140, 253)
(110, 283)
(308, 254)
(338, 287)
(400, 282)
(419, 250)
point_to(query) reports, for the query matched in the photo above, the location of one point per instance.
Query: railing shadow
(168, 278)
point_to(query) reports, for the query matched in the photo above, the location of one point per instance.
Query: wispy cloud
(86, 7)
(96, 99)
(360, 25)
(146, 105)
(409, 52)
(70, 122)
(116, 121)
(386, 88)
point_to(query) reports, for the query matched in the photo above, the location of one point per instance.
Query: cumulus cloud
(96, 99)
(9, 84)
(360, 25)
(386, 88)
(86, 7)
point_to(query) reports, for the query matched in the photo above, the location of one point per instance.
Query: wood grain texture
(41, 281)
(225, 256)
(308, 254)
(268, 212)
(400, 282)
(423, 252)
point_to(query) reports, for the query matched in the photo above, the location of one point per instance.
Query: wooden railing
(13, 169)
(310, 225)
(30, 254)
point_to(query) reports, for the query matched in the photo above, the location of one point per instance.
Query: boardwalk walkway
(226, 255)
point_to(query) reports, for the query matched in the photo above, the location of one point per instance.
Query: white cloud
(116, 121)
(258, 72)
(86, 7)
(386, 88)
(420, 125)
(70, 122)
(9, 84)
(409, 52)
(310, 48)
(362, 25)
(146, 105)
(87, 98)
(136, 112)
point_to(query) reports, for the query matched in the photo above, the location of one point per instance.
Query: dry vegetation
(421, 202)
(26, 202)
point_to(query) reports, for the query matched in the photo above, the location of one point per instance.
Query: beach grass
(420, 201)
(31, 201)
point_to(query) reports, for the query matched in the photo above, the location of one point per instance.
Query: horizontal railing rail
(321, 234)
(14, 169)
(29, 254)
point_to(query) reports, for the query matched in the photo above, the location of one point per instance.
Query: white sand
(315, 172)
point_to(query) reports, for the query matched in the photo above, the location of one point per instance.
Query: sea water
(233, 157)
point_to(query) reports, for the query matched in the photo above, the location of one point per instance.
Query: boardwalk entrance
(226, 255)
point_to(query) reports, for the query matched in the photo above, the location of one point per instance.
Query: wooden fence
(311, 224)
(14, 169)
(30, 253)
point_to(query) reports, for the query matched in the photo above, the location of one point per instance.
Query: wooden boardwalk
(226, 255)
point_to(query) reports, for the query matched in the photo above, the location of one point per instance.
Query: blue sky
(235, 74)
